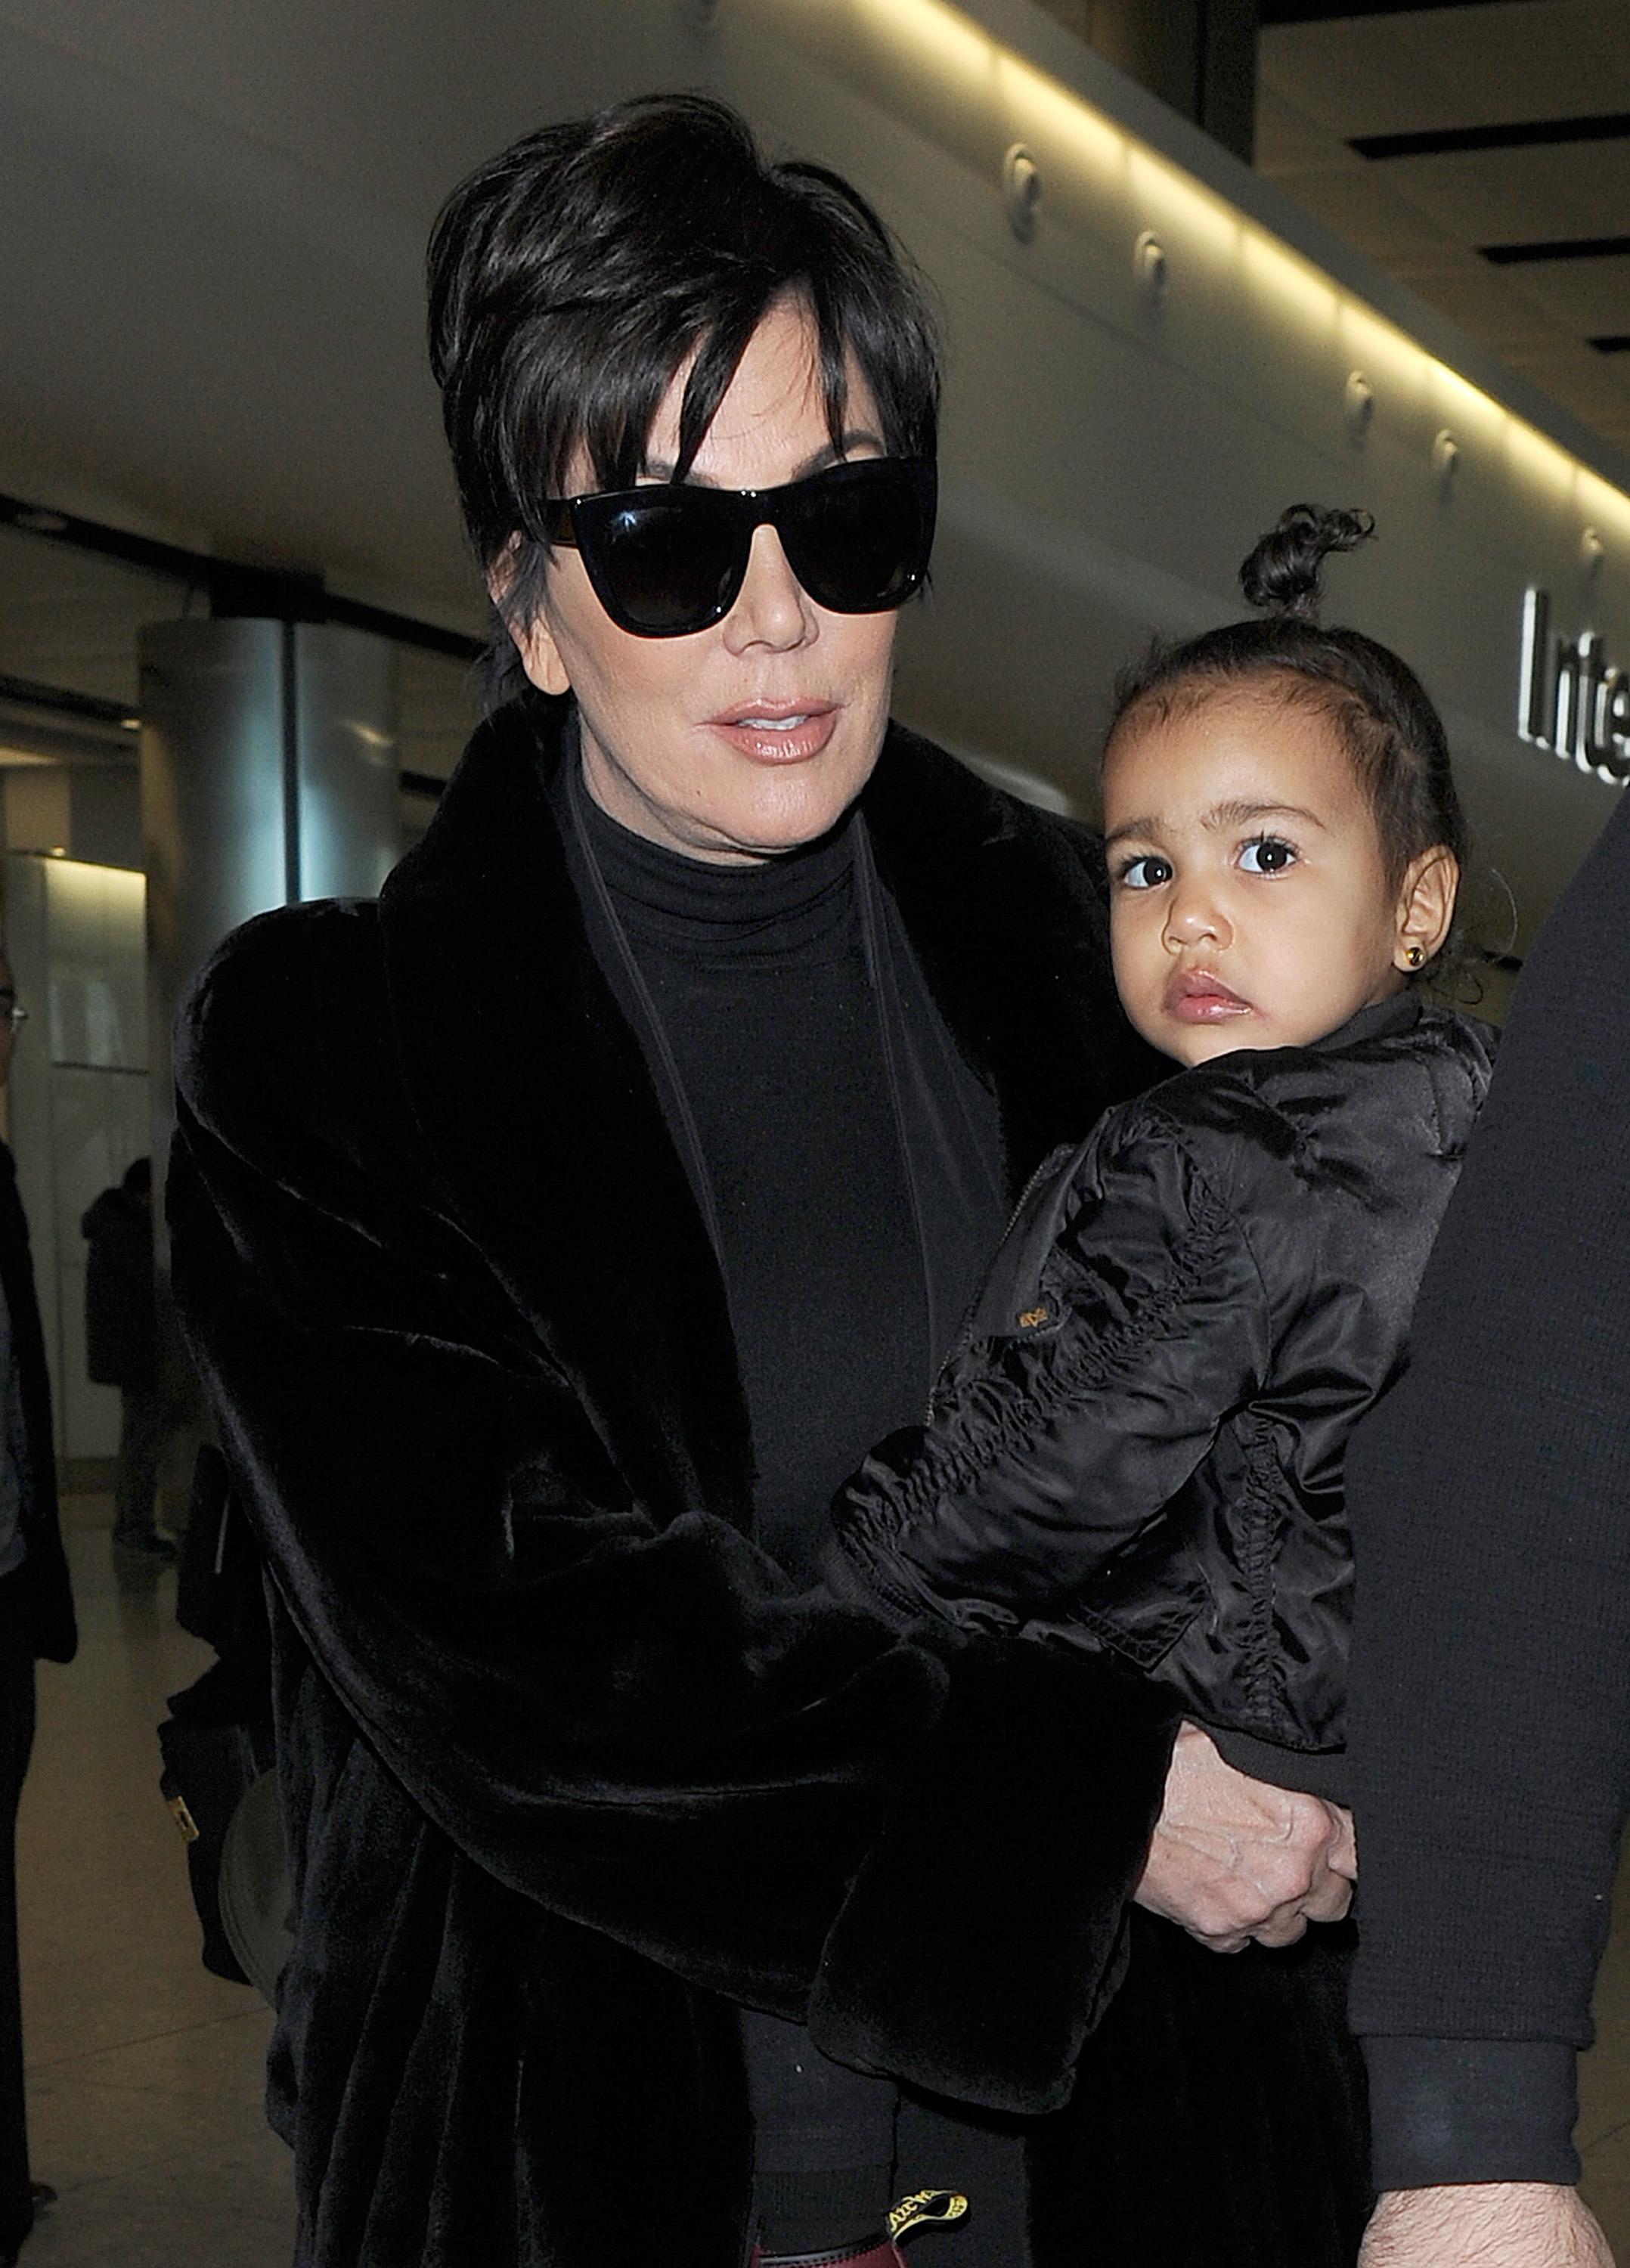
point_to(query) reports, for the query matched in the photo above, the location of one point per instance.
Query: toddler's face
(1251, 906)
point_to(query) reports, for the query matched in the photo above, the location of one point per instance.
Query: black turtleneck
(847, 1161)
(759, 978)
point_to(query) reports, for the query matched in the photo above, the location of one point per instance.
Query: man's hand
(1488, 2224)
(1233, 1858)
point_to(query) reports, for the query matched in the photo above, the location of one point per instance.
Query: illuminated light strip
(974, 64)
(1535, 631)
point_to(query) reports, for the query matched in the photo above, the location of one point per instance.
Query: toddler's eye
(1145, 874)
(1267, 854)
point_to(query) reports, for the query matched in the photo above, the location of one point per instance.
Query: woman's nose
(771, 607)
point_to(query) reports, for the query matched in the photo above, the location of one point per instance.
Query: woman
(553, 1237)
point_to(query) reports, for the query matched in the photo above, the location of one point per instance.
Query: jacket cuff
(985, 1930)
(1451, 2111)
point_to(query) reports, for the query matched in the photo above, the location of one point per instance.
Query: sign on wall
(1571, 699)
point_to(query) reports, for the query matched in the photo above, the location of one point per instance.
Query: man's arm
(1490, 1725)
(1485, 2225)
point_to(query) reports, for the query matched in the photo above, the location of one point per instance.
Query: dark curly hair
(1393, 735)
(572, 275)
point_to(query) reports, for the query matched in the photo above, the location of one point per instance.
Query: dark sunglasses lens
(663, 564)
(857, 537)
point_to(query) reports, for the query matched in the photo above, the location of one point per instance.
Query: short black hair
(1383, 712)
(572, 274)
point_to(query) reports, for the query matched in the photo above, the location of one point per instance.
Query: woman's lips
(777, 732)
(1200, 997)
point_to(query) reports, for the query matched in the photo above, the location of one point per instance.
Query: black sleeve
(639, 1725)
(1059, 1440)
(1490, 1499)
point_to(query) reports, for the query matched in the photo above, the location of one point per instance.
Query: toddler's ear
(1425, 906)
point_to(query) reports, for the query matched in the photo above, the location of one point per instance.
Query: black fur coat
(568, 1766)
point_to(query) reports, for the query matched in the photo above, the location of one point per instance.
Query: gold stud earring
(1415, 955)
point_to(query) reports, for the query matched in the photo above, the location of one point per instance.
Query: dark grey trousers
(143, 1419)
(814, 2115)
(16, 1738)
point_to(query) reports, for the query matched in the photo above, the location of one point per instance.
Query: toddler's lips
(1199, 996)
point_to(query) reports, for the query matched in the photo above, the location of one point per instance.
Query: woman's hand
(1233, 1858)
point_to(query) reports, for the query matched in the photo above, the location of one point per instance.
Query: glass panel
(95, 929)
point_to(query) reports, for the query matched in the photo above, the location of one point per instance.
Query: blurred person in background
(121, 1349)
(36, 1623)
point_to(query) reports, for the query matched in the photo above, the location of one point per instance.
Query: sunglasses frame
(575, 521)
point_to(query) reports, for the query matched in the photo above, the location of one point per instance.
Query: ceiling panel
(1373, 217)
(1495, 308)
(1359, 75)
(1423, 217)
(1603, 393)
(1287, 138)
(1526, 58)
(1583, 296)
(1517, 196)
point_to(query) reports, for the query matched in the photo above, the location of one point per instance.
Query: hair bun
(1282, 573)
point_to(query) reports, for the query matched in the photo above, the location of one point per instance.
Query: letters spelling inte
(1570, 699)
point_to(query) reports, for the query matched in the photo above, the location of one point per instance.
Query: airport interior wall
(211, 240)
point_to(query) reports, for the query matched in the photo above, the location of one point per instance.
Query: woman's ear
(534, 641)
(1425, 906)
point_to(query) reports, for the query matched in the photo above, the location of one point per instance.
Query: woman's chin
(779, 810)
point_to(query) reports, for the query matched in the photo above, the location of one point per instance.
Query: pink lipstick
(777, 732)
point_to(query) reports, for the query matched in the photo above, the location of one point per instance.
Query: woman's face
(749, 738)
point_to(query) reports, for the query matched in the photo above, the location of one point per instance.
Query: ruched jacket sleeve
(616, 1706)
(1124, 1321)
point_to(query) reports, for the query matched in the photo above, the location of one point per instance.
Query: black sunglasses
(669, 559)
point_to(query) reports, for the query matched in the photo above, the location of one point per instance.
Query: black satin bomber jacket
(1137, 1444)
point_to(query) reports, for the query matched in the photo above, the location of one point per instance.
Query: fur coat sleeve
(536, 1603)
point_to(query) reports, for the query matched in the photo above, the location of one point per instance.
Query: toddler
(1137, 1444)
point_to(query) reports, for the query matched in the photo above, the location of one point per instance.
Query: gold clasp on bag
(186, 1825)
(927, 2209)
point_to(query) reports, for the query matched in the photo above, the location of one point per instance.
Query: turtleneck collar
(788, 904)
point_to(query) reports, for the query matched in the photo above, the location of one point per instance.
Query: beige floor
(144, 2071)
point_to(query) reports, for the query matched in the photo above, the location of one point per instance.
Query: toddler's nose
(1194, 917)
